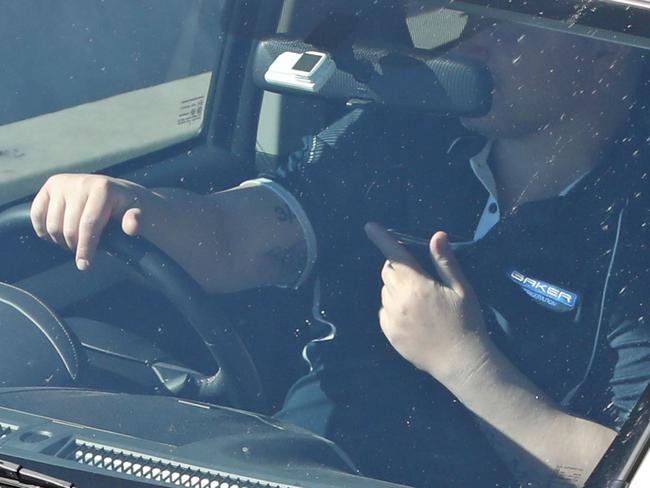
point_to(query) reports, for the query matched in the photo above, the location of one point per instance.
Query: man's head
(543, 78)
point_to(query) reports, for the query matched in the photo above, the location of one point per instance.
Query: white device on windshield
(307, 71)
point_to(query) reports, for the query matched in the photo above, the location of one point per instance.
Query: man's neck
(542, 164)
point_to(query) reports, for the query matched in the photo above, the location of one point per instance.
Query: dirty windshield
(417, 231)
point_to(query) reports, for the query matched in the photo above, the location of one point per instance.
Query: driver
(516, 350)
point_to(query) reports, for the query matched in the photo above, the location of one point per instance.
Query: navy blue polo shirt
(563, 282)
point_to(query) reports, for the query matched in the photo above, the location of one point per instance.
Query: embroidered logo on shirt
(546, 294)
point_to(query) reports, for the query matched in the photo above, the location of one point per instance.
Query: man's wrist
(463, 361)
(155, 209)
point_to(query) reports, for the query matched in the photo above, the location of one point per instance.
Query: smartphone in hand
(418, 246)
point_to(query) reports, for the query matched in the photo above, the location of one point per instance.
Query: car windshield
(397, 243)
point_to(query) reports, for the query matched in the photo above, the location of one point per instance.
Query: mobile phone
(419, 247)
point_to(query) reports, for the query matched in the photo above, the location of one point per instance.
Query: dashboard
(164, 441)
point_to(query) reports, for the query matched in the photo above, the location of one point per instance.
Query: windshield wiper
(14, 475)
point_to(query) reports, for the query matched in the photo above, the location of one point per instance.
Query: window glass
(59, 55)
(100, 83)
(443, 271)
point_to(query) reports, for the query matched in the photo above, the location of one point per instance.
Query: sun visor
(406, 79)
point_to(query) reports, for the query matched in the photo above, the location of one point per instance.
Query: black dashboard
(86, 436)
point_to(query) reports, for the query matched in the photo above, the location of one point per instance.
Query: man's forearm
(227, 241)
(240, 238)
(542, 445)
(438, 326)
(184, 225)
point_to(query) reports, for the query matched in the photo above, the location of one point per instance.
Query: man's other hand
(436, 325)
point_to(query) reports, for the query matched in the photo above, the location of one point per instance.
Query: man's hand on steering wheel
(72, 210)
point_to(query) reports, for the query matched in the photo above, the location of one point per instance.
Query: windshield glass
(436, 258)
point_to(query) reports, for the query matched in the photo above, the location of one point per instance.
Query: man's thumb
(445, 262)
(131, 221)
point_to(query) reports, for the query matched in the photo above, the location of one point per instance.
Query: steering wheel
(235, 379)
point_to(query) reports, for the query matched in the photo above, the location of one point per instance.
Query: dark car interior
(135, 331)
(95, 320)
(92, 332)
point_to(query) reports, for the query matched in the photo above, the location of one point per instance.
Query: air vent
(158, 469)
(6, 429)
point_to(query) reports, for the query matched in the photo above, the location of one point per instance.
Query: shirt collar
(481, 168)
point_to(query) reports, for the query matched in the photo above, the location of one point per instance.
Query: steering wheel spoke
(235, 377)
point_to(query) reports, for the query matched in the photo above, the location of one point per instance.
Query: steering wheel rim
(236, 379)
